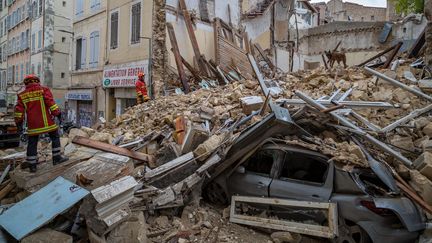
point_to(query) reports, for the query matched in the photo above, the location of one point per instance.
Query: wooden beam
(376, 56)
(113, 149)
(266, 58)
(415, 49)
(5, 191)
(191, 69)
(191, 33)
(324, 61)
(393, 54)
(178, 58)
(329, 231)
(337, 46)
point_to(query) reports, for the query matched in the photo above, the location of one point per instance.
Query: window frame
(131, 23)
(298, 181)
(110, 29)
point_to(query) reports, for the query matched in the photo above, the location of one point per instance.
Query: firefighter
(141, 89)
(37, 104)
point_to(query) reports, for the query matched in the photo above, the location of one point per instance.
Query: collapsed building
(331, 152)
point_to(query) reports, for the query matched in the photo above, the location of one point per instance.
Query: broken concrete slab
(195, 136)
(424, 164)
(102, 170)
(47, 236)
(40, 207)
(251, 103)
(134, 230)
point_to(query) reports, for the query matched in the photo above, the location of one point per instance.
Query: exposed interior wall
(204, 34)
(258, 30)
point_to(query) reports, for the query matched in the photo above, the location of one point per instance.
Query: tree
(408, 6)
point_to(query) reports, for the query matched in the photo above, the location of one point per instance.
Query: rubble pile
(142, 173)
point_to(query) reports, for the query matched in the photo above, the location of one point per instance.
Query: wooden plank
(191, 33)
(266, 58)
(178, 58)
(411, 194)
(415, 49)
(393, 54)
(39, 208)
(376, 56)
(169, 166)
(324, 61)
(113, 149)
(194, 72)
(329, 231)
(5, 191)
(258, 75)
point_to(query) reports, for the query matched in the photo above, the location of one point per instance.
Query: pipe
(398, 84)
(356, 129)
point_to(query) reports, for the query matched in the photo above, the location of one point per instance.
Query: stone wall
(346, 11)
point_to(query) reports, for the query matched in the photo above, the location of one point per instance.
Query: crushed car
(261, 164)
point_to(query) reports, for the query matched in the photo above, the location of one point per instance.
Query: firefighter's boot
(33, 168)
(58, 159)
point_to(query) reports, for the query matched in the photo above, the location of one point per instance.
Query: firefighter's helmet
(141, 75)
(31, 78)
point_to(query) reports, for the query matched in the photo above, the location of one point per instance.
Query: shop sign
(124, 75)
(79, 95)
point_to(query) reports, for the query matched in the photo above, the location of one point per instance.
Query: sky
(372, 3)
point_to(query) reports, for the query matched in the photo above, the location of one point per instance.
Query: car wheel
(349, 232)
(216, 194)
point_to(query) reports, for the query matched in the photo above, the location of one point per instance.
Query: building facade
(338, 10)
(128, 52)
(18, 25)
(3, 45)
(86, 97)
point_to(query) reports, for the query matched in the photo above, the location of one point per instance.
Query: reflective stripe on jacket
(38, 104)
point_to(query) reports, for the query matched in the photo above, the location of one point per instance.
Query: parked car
(261, 165)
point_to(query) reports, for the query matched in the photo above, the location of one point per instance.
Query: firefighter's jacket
(141, 88)
(38, 104)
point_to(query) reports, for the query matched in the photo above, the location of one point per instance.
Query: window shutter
(33, 42)
(83, 53)
(114, 30)
(92, 47)
(96, 49)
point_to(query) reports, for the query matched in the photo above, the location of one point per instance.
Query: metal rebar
(349, 124)
(398, 84)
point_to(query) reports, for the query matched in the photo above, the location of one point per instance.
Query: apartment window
(33, 42)
(18, 15)
(34, 9)
(372, 17)
(114, 30)
(136, 23)
(62, 75)
(27, 68)
(94, 49)
(40, 5)
(1, 29)
(18, 44)
(33, 68)
(39, 70)
(1, 5)
(13, 45)
(94, 4)
(22, 71)
(63, 39)
(39, 39)
(27, 39)
(1, 53)
(64, 3)
(23, 40)
(79, 8)
(16, 73)
(81, 51)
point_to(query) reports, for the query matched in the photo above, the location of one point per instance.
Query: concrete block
(134, 230)
(422, 185)
(425, 85)
(195, 136)
(403, 142)
(47, 236)
(424, 164)
(251, 103)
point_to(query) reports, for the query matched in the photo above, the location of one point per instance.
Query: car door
(303, 175)
(254, 176)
